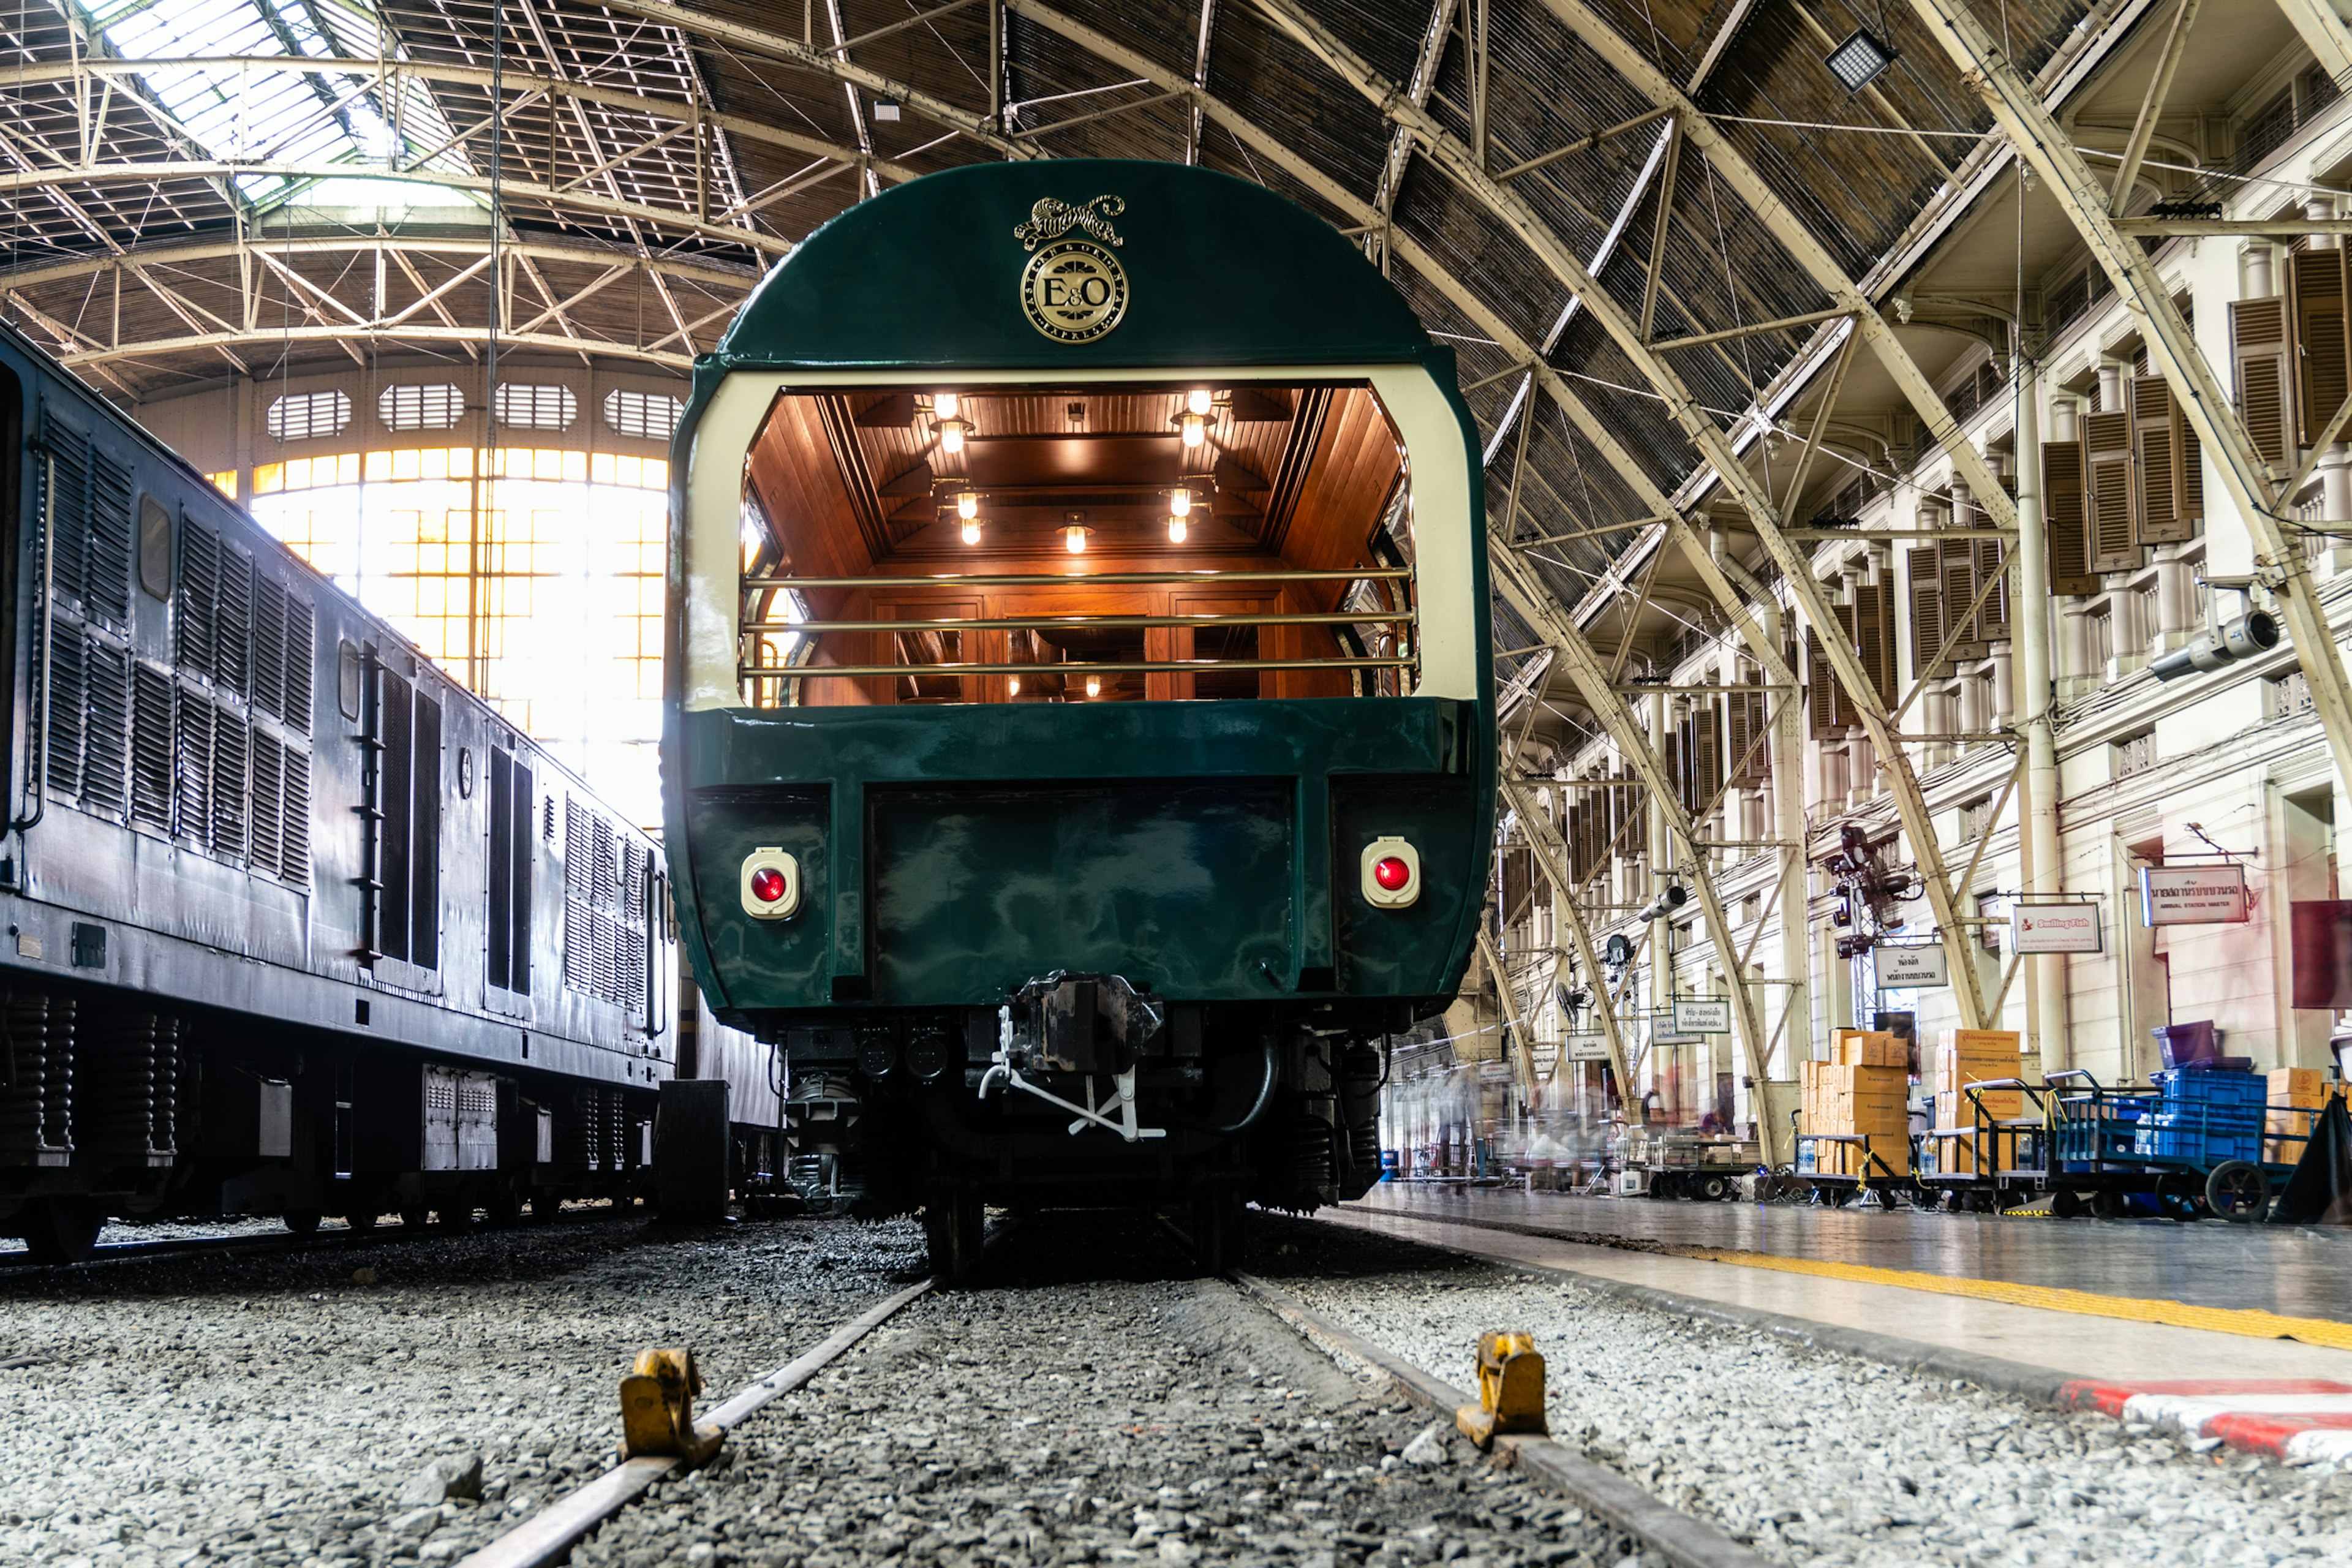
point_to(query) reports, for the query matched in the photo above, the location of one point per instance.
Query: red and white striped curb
(2300, 1420)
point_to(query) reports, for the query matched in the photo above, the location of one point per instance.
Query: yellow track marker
(2249, 1322)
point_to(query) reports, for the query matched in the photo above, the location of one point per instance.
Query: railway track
(1296, 1444)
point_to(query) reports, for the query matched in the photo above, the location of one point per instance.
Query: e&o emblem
(1073, 290)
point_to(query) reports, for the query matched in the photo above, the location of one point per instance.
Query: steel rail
(548, 1535)
(1070, 623)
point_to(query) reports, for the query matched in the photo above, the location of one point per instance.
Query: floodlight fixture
(1860, 60)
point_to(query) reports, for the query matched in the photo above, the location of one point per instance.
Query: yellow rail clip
(657, 1410)
(1510, 1390)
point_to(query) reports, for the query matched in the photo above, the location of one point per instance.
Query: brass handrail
(1112, 623)
(1133, 667)
(1078, 579)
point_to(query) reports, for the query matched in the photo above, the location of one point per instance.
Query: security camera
(1670, 899)
(2256, 631)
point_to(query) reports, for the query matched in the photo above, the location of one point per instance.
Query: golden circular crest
(1074, 291)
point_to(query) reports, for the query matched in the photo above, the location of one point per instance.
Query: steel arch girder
(1448, 154)
(1783, 225)
(1538, 609)
(2204, 402)
(1539, 829)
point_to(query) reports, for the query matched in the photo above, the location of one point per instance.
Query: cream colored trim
(1437, 470)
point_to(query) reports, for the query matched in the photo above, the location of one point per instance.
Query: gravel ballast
(267, 1411)
(1814, 1457)
(1090, 1404)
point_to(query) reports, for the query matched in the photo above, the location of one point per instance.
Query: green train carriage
(1080, 741)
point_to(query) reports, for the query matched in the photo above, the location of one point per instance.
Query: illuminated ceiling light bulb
(1179, 503)
(1196, 428)
(1073, 538)
(968, 504)
(1176, 530)
(971, 531)
(1094, 686)
(946, 403)
(1198, 400)
(951, 436)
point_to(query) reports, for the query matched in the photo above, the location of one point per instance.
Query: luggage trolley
(2199, 1149)
(1995, 1162)
(1860, 1168)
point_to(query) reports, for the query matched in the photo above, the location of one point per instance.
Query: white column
(2003, 695)
(2037, 802)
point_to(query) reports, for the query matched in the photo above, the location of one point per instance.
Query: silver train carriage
(290, 922)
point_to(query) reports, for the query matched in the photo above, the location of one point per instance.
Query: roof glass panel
(289, 123)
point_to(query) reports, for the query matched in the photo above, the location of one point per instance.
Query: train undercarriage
(1085, 1092)
(110, 1107)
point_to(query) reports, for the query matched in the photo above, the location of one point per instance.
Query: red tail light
(1390, 873)
(771, 884)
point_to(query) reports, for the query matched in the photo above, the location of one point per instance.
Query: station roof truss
(1661, 233)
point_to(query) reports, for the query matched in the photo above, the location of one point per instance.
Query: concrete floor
(2294, 1272)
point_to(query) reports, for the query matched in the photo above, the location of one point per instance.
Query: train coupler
(1510, 1391)
(657, 1410)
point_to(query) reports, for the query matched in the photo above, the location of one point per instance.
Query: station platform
(2240, 1332)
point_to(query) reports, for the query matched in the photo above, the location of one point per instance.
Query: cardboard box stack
(1869, 1048)
(1964, 1057)
(2296, 1096)
(1851, 1097)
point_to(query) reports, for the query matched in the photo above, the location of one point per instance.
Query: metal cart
(1837, 1188)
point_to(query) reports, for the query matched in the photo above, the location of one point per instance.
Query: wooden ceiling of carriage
(197, 188)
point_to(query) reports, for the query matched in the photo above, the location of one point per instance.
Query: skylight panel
(239, 115)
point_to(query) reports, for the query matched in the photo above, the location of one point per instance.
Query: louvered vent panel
(233, 621)
(111, 530)
(191, 765)
(294, 844)
(68, 460)
(579, 945)
(269, 770)
(68, 708)
(106, 742)
(301, 653)
(269, 646)
(230, 783)
(151, 748)
(196, 599)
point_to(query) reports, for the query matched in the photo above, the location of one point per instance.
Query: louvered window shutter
(1820, 693)
(2063, 516)
(1873, 626)
(2156, 515)
(2322, 339)
(1927, 614)
(2259, 351)
(1758, 708)
(1678, 760)
(1955, 569)
(1709, 720)
(1992, 617)
(2187, 473)
(2106, 438)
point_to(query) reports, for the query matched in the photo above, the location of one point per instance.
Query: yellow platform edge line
(2248, 1322)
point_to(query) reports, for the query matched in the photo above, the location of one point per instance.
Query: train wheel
(458, 1218)
(1217, 1222)
(62, 1230)
(502, 1206)
(953, 1222)
(302, 1221)
(361, 1221)
(414, 1219)
(2236, 1190)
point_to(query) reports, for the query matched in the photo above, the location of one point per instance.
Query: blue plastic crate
(2212, 1088)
